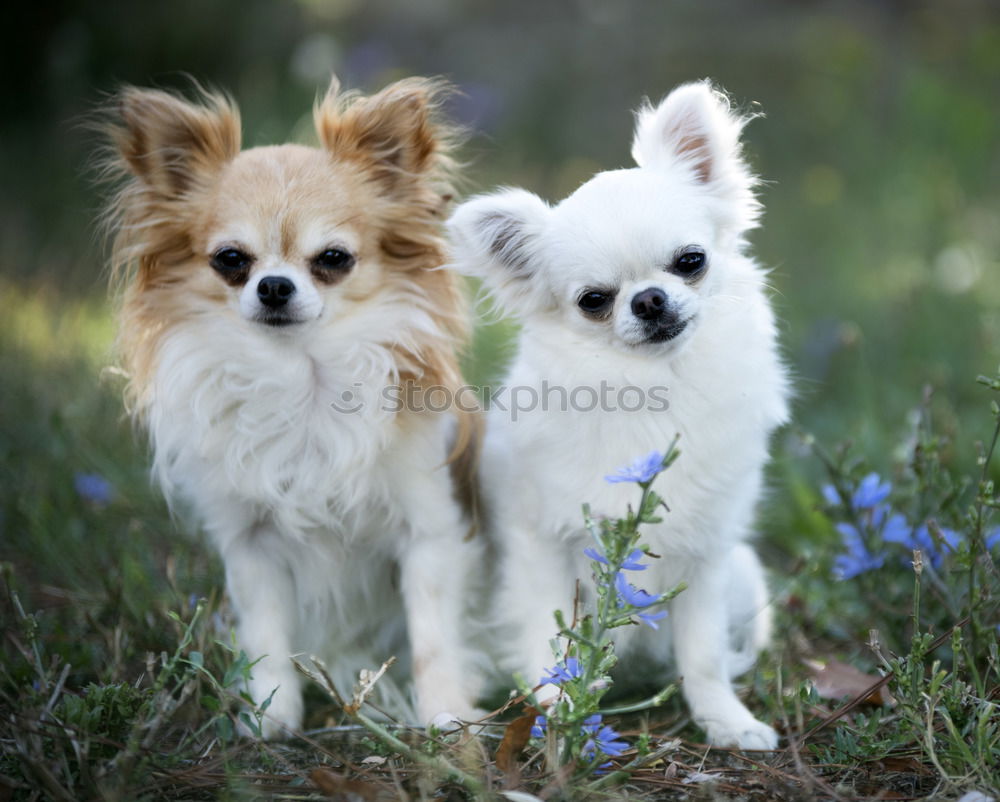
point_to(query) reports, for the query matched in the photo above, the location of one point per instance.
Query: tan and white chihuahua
(270, 295)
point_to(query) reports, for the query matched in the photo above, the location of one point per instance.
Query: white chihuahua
(638, 283)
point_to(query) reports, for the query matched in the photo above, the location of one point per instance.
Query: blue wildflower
(651, 618)
(608, 742)
(603, 738)
(934, 548)
(94, 488)
(857, 559)
(641, 470)
(562, 672)
(629, 594)
(893, 529)
(993, 538)
(871, 491)
(539, 727)
(631, 563)
(901, 535)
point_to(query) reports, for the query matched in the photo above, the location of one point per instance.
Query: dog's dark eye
(594, 303)
(230, 259)
(690, 262)
(232, 264)
(334, 259)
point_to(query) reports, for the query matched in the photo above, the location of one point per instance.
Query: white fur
(338, 532)
(727, 393)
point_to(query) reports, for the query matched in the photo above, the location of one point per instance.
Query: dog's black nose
(649, 304)
(274, 291)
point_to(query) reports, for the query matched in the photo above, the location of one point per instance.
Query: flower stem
(434, 762)
(655, 700)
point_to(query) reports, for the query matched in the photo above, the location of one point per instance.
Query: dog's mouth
(666, 332)
(277, 320)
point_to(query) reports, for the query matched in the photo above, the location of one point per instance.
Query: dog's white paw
(445, 722)
(449, 722)
(743, 734)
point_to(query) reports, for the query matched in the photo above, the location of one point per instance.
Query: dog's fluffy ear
(393, 130)
(170, 144)
(496, 238)
(695, 127)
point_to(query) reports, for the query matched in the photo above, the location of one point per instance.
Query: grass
(120, 680)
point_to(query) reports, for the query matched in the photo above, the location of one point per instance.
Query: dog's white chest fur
(265, 424)
(722, 401)
(295, 464)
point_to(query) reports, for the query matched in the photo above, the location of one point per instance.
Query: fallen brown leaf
(834, 679)
(515, 738)
(905, 765)
(337, 786)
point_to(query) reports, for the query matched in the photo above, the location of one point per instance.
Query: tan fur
(390, 160)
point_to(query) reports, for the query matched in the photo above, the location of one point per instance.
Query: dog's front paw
(449, 722)
(743, 734)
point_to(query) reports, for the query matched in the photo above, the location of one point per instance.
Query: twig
(625, 772)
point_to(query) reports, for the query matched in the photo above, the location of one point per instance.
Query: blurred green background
(879, 149)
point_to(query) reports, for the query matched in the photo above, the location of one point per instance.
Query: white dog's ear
(496, 238)
(695, 127)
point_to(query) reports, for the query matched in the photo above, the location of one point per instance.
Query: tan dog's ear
(168, 143)
(394, 129)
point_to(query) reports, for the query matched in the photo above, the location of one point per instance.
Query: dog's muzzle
(274, 294)
(660, 319)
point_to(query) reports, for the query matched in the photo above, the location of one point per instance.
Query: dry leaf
(337, 786)
(834, 679)
(366, 684)
(905, 765)
(515, 738)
